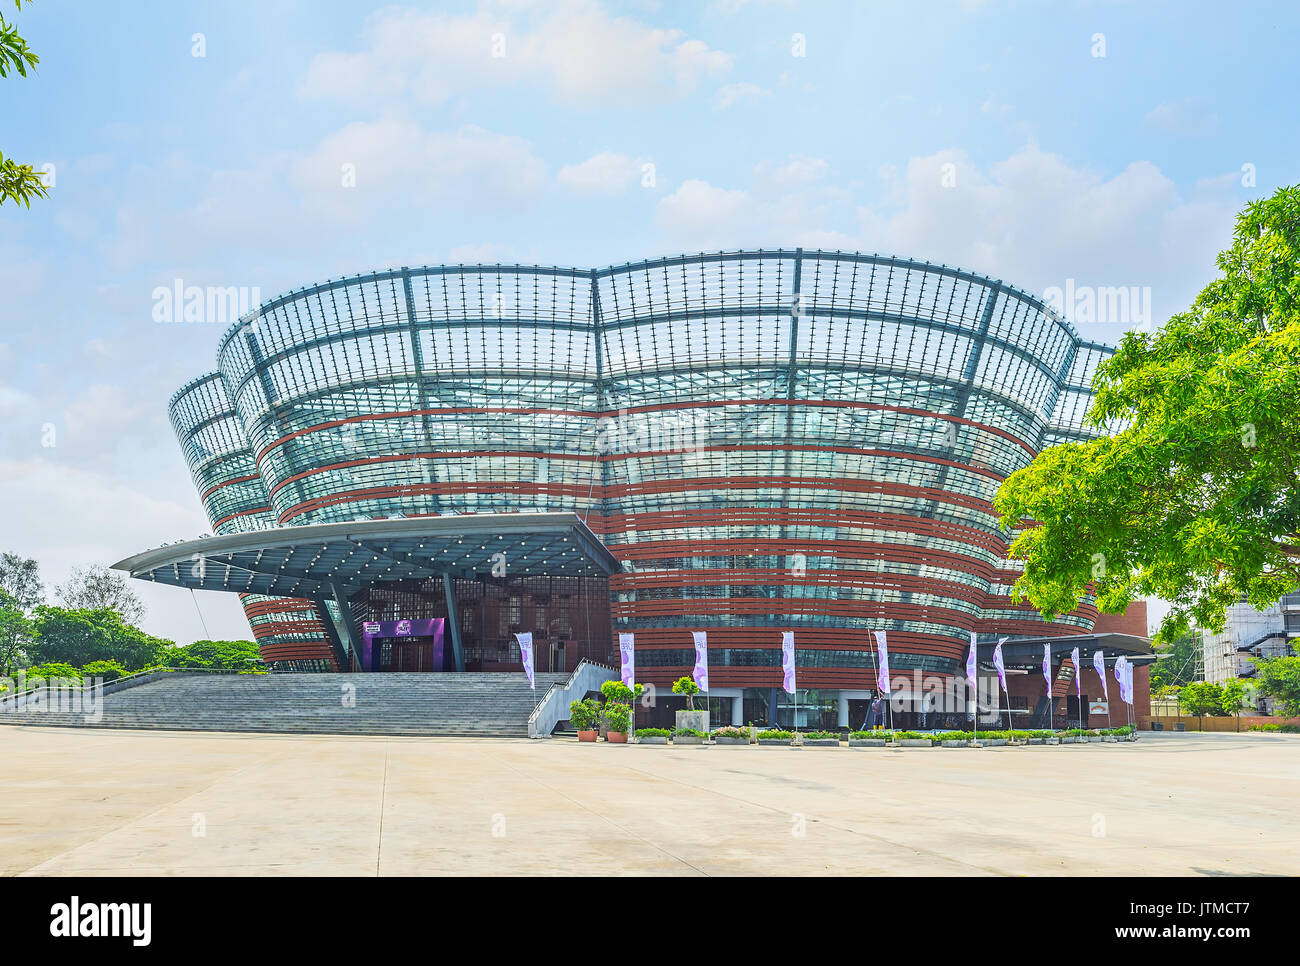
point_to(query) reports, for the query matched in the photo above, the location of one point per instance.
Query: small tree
(1201, 698)
(16, 633)
(1279, 678)
(1233, 699)
(687, 687)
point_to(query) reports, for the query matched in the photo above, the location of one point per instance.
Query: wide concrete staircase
(354, 704)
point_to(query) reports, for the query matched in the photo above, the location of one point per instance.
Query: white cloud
(741, 92)
(1031, 219)
(396, 159)
(575, 50)
(606, 173)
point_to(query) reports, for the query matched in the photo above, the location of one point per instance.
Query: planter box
(1068, 740)
(687, 740)
(956, 743)
(731, 741)
(653, 740)
(695, 720)
(866, 742)
(822, 742)
(993, 742)
(1051, 741)
(588, 735)
(616, 737)
(1092, 737)
(782, 742)
(915, 743)
(1109, 738)
(1036, 741)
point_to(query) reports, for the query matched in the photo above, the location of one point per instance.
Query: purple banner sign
(371, 630)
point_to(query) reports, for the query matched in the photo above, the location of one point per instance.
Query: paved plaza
(84, 802)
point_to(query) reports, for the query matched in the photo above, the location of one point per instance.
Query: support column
(453, 619)
(344, 624)
(842, 720)
(738, 710)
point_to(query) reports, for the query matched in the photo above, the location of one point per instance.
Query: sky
(266, 145)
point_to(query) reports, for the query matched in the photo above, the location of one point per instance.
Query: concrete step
(400, 703)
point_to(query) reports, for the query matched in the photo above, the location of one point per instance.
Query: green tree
(20, 578)
(1233, 699)
(1279, 678)
(78, 637)
(1201, 698)
(93, 587)
(226, 655)
(687, 686)
(1176, 663)
(16, 633)
(1195, 499)
(18, 182)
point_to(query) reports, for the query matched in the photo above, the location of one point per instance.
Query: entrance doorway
(409, 654)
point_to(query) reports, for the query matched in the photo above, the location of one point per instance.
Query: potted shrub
(584, 715)
(775, 736)
(868, 739)
(731, 735)
(992, 739)
(695, 720)
(821, 739)
(618, 719)
(689, 736)
(652, 736)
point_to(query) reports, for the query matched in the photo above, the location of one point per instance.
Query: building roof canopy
(305, 561)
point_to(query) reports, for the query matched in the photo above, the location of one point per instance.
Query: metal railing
(554, 705)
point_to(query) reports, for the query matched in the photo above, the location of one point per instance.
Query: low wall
(1193, 723)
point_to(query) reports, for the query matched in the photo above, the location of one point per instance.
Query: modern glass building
(760, 441)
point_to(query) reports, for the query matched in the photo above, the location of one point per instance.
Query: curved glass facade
(767, 441)
(289, 631)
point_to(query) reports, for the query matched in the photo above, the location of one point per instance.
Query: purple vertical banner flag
(1078, 674)
(1099, 663)
(627, 653)
(1047, 668)
(1002, 668)
(787, 660)
(525, 640)
(882, 675)
(701, 672)
(971, 669)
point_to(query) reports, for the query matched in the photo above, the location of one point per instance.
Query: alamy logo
(74, 919)
(211, 304)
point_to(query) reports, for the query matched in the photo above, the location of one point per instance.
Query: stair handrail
(20, 698)
(582, 668)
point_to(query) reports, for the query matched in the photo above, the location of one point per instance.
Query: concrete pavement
(82, 802)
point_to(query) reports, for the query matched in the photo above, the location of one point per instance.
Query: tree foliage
(78, 637)
(20, 578)
(16, 633)
(1195, 499)
(1279, 678)
(89, 588)
(227, 655)
(18, 182)
(1176, 663)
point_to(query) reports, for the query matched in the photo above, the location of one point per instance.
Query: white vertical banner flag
(1047, 667)
(882, 674)
(787, 660)
(627, 653)
(971, 669)
(1078, 674)
(701, 672)
(1119, 677)
(1099, 663)
(1001, 666)
(525, 640)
